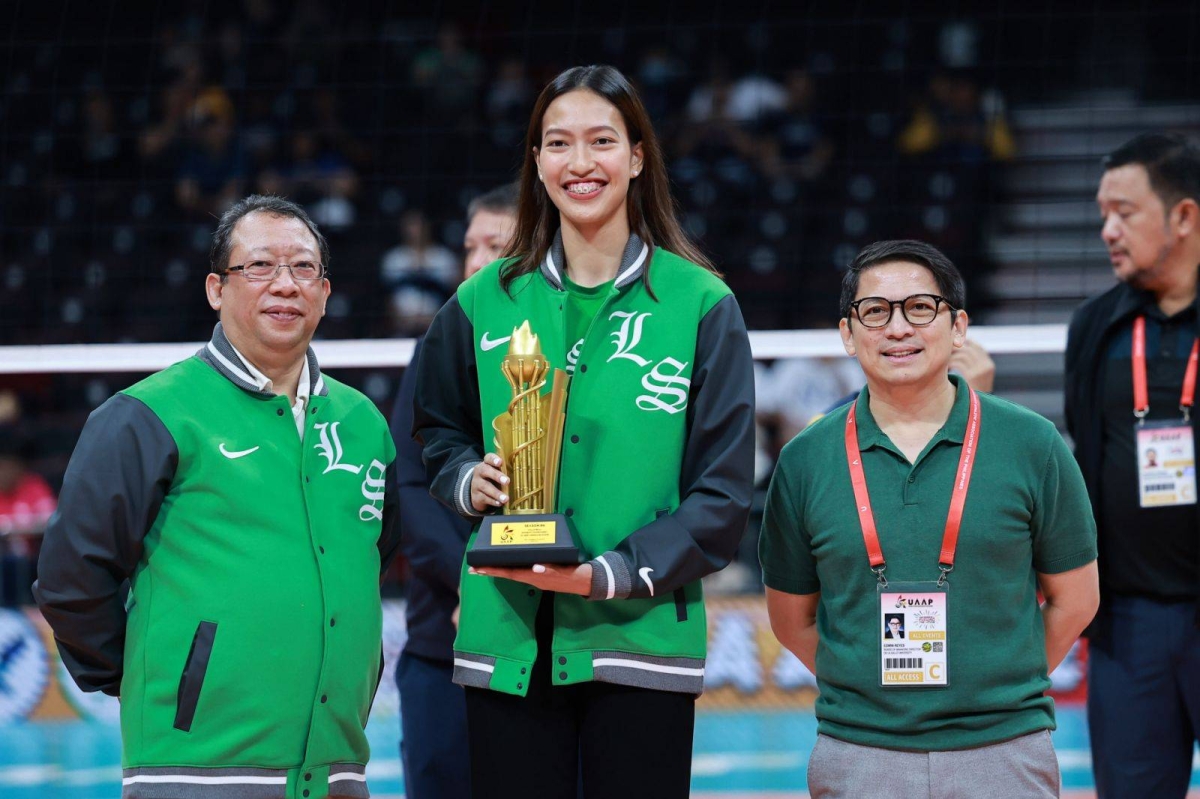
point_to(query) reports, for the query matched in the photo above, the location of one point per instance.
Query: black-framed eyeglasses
(266, 271)
(918, 309)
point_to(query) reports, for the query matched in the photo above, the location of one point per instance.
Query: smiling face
(271, 322)
(1136, 231)
(902, 354)
(586, 160)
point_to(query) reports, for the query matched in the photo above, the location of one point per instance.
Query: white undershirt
(264, 383)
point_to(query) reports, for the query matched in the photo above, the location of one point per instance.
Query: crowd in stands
(121, 149)
(115, 166)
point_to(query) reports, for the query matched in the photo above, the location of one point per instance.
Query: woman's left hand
(560, 579)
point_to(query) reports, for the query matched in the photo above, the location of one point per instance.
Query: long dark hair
(649, 205)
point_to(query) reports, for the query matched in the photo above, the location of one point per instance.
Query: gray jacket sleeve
(716, 483)
(120, 472)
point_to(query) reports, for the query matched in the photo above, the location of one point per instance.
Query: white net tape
(376, 353)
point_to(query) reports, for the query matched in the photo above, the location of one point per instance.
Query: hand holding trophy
(528, 438)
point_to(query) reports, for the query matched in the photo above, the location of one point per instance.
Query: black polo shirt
(1145, 551)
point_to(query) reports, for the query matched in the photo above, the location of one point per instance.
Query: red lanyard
(1141, 395)
(958, 498)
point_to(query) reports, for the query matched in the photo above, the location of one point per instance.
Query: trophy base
(523, 540)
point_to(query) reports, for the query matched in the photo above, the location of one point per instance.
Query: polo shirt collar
(219, 353)
(1130, 303)
(634, 261)
(954, 430)
(265, 385)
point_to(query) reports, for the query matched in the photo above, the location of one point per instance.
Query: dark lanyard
(1141, 395)
(958, 499)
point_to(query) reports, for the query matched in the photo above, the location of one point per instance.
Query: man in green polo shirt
(950, 507)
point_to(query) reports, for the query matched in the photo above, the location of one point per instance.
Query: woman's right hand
(487, 484)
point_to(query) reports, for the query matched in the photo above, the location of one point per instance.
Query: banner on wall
(747, 668)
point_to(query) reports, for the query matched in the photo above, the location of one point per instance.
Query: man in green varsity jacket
(248, 500)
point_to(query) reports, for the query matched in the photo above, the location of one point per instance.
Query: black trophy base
(523, 540)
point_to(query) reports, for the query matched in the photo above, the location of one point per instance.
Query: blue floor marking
(735, 751)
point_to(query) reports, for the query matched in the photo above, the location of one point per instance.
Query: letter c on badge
(935, 671)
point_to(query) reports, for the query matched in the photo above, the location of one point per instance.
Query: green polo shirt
(1027, 511)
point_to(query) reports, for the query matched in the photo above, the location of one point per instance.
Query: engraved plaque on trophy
(528, 436)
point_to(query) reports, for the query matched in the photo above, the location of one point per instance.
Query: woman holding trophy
(589, 399)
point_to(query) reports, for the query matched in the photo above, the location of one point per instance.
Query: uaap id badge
(1166, 457)
(913, 635)
(1166, 464)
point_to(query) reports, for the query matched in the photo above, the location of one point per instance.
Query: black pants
(613, 740)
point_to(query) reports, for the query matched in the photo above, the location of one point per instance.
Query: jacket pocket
(681, 614)
(192, 679)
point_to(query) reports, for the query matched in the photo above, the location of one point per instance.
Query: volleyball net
(766, 345)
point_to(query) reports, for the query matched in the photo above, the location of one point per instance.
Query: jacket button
(523, 669)
(307, 480)
(562, 661)
(332, 622)
(322, 550)
(583, 368)
(574, 439)
(532, 591)
(324, 699)
(279, 412)
(520, 686)
(562, 675)
(306, 792)
(570, 511)
(308, 777)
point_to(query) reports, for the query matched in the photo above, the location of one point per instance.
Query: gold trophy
(528, 436)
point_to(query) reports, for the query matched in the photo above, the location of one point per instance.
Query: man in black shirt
(1128, 407)
(433, 711)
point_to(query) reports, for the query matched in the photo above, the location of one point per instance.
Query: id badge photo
(1166, 464)
(913, 635)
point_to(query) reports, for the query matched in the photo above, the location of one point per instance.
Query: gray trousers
(1023, 768)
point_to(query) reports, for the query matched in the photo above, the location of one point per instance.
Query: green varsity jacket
(249, 649)
(656, 472)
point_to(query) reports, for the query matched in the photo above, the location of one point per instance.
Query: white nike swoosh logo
(486, 343)
(644, 573)
(235, 455)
